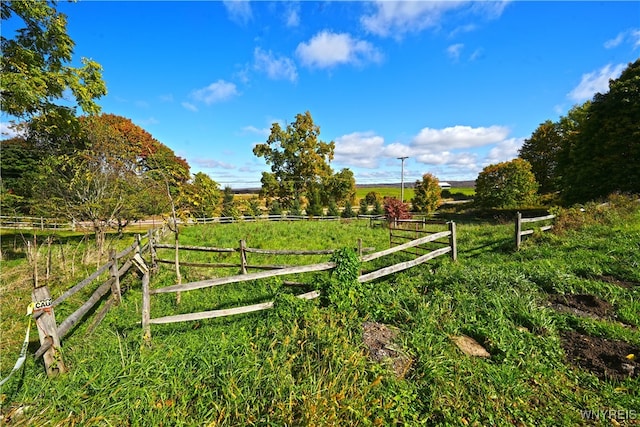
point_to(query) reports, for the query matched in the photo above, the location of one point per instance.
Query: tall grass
(307, 365)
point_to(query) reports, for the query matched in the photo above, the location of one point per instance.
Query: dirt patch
(607, 359)
(615, 281)
(379, 340)
(582, 305)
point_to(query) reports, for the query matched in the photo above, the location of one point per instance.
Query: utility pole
(402, 178)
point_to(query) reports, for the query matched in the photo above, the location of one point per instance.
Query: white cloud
(147, 122)
(454, 50)
(635, 38)
(8, 130)
(213, 164)
(239, 11)
(595, 82)
(609, 44)
(276, 68)
(292, 14)
(252, 130)
(215, 92)
(395, 18)
(504, 151)
(632, 36)
(476, 54)
(327, 49)
(457, 137)
(190, 107)
(359, 149)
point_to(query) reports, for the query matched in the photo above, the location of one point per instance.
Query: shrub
(372, 197)
(332, 209)
(394, 209)
(275, 208)
(507, 185)
(348, 212)
(364, 207)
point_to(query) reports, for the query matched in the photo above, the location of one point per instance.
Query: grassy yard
(306, 363)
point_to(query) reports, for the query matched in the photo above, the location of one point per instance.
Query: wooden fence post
(48, 331)
(152, 251)
(146, 309)
(453, 241)
(518, 230)
(115, 284)
(243, 257)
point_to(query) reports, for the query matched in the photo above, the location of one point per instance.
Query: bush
(507, 185)
(275, 208)
(332, 209)
(364, 207)
(372, 197)
(348, 212)
(394, 209)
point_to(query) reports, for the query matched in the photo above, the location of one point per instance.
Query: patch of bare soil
(582, 305)
(613, 280)
(379, 340)
(607, 359)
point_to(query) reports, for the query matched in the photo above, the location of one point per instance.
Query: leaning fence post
(518, 230)
(453, 241)
(48, 331)
(146, 309)
(115, 278)
(243, 257)
(152, 251)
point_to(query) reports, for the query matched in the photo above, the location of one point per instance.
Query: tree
(229, 208)
(201, 197)
(427, 194)
(254, 207)
(541, 151)
(347, 212)
(605, 153)
(506, 185)
(372, 196)
(377, 208)
(299, 159)
(332, 209)
(314, 205)
(296, 208)
(340, 187)
(395, 209)
(35, 71)
(364, 207)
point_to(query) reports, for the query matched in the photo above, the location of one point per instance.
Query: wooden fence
(242, 250)
(519, 232)
(51, 333)
(147, 321)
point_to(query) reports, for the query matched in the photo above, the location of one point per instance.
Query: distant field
(408, 192)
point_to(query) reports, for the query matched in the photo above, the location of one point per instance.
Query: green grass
(306, 365)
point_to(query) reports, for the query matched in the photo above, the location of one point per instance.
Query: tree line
(75, 162)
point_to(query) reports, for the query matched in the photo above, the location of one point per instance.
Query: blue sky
(454, 86)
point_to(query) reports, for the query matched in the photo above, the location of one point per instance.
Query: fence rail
(52, 333)
(519, 232)
(147, 321)
(242, 250)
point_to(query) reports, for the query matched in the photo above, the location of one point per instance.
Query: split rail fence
(51, 333)
(147, 321)
(519, 232)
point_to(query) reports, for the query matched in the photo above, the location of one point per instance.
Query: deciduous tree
(36, 74)
(506, 185)
(541, 151)
(427, 194)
